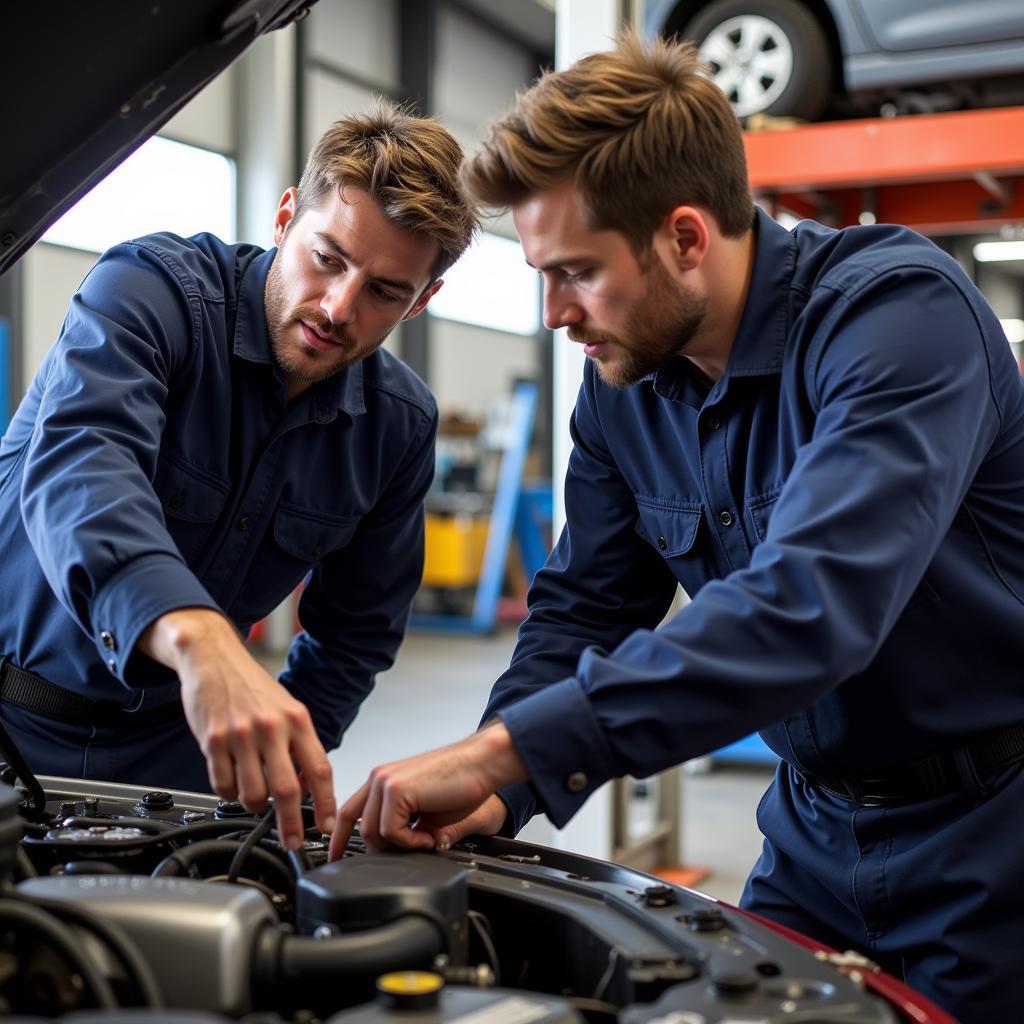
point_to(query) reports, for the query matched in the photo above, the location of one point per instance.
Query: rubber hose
(178, 863)
(406, 943)
(116, 939)
(66, 942)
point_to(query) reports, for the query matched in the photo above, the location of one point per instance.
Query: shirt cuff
(130, 601)
(561, 743)
(520, 800)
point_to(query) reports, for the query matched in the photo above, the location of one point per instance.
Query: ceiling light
(1014, 330)
(992, 252)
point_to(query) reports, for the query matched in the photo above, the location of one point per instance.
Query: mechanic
(819, 434)
(214, 423)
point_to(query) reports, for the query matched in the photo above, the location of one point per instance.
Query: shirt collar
(341, 393)
(758, 347)
(761, 338)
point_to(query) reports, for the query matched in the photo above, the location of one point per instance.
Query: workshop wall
(471, 367)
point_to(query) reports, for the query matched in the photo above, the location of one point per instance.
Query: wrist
(177, 637)
(497, 755)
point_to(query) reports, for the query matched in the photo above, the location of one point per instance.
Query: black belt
(34, 693)
(933, 776)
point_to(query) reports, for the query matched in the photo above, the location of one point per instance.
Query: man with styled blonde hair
(215, 423)
(819, 434)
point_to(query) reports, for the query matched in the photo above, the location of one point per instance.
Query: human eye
(385, 296)
(322, 259)
(580, 276)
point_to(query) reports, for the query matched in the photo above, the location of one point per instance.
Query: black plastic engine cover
(357, 893)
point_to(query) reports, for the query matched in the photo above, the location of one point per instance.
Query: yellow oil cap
(410, 990)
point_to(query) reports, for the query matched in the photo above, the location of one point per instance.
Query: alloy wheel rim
(751, 61)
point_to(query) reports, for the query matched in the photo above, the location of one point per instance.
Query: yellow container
(455, 550)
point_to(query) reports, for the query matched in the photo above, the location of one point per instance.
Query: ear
(687, 233)
(421, 303)
(285, 214)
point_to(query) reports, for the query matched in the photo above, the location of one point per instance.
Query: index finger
(348, 814)
(286, 790)
(317, 775)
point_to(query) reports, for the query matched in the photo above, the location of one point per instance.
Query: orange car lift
(948, 173)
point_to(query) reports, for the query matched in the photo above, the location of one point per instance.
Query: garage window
(491, 286)
(162, 186)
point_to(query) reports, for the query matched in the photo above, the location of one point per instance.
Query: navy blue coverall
(845, 506)
(155, 464)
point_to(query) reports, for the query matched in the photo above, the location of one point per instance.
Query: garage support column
(417, 49)
(268, 163)
(268, 132)
(601, 826)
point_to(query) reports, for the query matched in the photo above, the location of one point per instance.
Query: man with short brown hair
(819, 434)
(215, 423)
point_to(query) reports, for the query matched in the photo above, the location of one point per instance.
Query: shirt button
(112, 665)
(714, 424)
(176, 500)
(576, 782)
(725, 518)
(662, 543)
(317, 551)
(243, 523)
(108, 641)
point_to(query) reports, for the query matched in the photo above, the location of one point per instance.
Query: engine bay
(119, 898)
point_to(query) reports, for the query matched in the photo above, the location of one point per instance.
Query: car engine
(121, 903)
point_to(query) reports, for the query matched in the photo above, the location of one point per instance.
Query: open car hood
(83, 84)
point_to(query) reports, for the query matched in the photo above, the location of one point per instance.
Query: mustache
(320, 323)
(591, 337)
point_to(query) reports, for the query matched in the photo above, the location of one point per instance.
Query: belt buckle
(859, 794)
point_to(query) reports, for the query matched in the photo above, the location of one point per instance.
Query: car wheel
(767, 56)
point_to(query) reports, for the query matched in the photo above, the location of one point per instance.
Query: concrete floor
(435, 694)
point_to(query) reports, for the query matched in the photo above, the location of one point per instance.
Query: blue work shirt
(155, 463)
(845, 506)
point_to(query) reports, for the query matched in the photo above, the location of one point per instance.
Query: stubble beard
(298, 362)
(660, 325)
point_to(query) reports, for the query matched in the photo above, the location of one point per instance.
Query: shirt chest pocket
(299, 538)
(309, 534)
(192, 503)
(674, 531)
(760, 508)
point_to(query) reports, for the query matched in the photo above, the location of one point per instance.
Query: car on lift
(803, 58)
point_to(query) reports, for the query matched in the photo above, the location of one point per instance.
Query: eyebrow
(399, 286)
(559, 263)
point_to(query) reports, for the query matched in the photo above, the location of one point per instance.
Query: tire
(767, 56)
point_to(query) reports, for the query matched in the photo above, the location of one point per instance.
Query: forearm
(179, 639)
(254, 735)
(491, 747)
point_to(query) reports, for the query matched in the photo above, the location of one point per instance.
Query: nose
(339, 300)
(560, 310)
